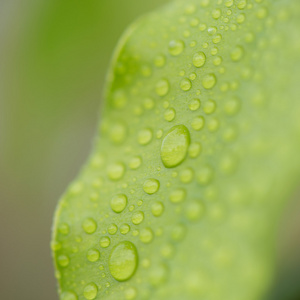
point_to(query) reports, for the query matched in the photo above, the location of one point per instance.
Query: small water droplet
(135, 163)
(124, 229)
(185, 84)
(187, 175)
(209, 81)
(89, 225)
(178, 232)
(130, 293)
(118, 203)
(116, 171)
(194, 210)
(175, 146)
(146, 235)
(162, 87)
(209, 107)
(167, 250)
(145, 136)
(93, 255)
(90, 291)
(198, 123)
(237, 53)
(68, 296)
(176, 47)
(64, 228)
(160, 60)
(177, 196)
(151, 186)
(170, 114)
(105, 242)
(158, 274)
(63, 260)
(194, 104)
(199, 59)
(123, 261)
(205, 175)
(137, 218)
(112, 229)
(157, 209)
(194, 150)
(232, 106)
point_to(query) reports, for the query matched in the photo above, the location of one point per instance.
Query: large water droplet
(175, 146)
(123, 261)
(93, 255)
(209, 81)
(162, 87)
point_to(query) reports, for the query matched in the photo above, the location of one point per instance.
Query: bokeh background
(54, 55)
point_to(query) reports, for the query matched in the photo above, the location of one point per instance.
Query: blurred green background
(54, 55)
(53, 59)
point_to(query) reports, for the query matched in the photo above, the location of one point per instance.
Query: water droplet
(68, 296)
(160, 60)
(137, 218)
(119, 99)
(105, 242)
(199, 59)
(118, 132)
(237, 53)
(116, 171)
(216, 13)
(217, 39)
(212, 30)
(262, 13)
(178, 232)
(194, 210)
(93, 255)
(167, 250)
(146, 235)
(195, 150)
(64, 228)
(123, 261)
(205, 175)
(162, 87)
(89, 225)
(151, 186)
(187, 175)
(118, 203)
(90, 291)
(175, 146)
(112, 229)
(176, 47)
(157, 209)
(240, 18)
(194, 104)
(185, 84)
(149, 103)
(232, 106)
(198, 123)
(135, 163)
(124, 228)
(241, 4)
(144, 136)
(209, 81)
(209, 107)
(158, 274)
(170, 114)
(177, 195)
(213, 124)
(130, 293)
(228, 3)
(63, 260)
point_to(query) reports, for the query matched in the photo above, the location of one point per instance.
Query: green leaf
(195, 158)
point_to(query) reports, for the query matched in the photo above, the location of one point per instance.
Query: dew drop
(137, 218)
(199, 59)
(135, 163)
(178, 232)
(195, 150)
(194, 210)
(151, 186)
(118, 203)
(205, 175)
(93, 255)
(146, 235)
(116, 171)
(158, 274)
(118, 132)
(160, 60)
(209, 81)
(68, 296)
(232, 106)
(130, 293)
(90, 291)
(105, 242)
(123, 261)
(185, 84)
(237, 53)
(177, 196)
(63, 260)
(89, 225)
(64, 229)
(194, 104)
(187, 175)
(112, 229)
(170, 114)
(209, 107)
(175, 146)
(198, 123)
(157, 209)
(162, 87)
(124, 228)
(145, 136)
(176, 47)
